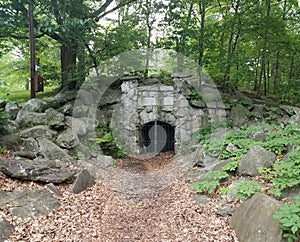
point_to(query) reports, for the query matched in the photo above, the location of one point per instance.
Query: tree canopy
(241, 44)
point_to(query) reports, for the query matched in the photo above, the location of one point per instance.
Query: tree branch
(103, 13)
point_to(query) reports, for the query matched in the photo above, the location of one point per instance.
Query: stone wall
(141, 104)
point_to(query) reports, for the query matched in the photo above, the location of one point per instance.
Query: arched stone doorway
(158, 136)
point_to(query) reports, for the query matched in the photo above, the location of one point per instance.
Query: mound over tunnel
(156, 117)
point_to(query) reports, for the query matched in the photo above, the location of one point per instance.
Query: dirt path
(101, 214)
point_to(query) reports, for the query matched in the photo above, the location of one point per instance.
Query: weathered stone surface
(12, 110)
(221, 164)
(29, 203)
(27, 118)
(259, 136)
(253, 220)
(256, 158)
(47, 171)
(225, 211)
(51, 151)
(81, 126)
(8, 128)
(67, 139)
(38, 131)
(291, 193)
(104, 161)
(57, 125)
(54, 115)
(6, 229)
(238, 115)
(67, 109)
(201, 199)
(197, 103)
(35, 105)
(52, 188)
(24, 154)
(10, 141)
(83, 181)
(199, 156)
(231, 148)
(61, 98)
(31, 145)
(258, 111)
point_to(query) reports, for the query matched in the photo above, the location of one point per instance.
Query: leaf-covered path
(100, 214)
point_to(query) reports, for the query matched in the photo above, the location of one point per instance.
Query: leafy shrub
(211, 183)
(247, 189)
(209, 129)
(231, 167)
(286, 173)
(289, 219)
(107, 142)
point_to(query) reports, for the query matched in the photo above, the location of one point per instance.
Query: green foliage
(24, 95)
(266, 173)
(194, 95)
(211, 183)
(242, 102)
(208, 129)
(107, 142)
(104, 139)
(225, 190)
(217, 146)
(289, 219)
(2, 150)
(247, 188)
(231, 167)
(3, 117)
(286, 173)
(272, 117)
(277, 139)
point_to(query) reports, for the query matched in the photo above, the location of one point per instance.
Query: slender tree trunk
(202, 6)
(231, 45)
(262, 76)
(276, 80)
(149, 34)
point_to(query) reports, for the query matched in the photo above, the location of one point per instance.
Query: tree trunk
(68, 66)
(202, 5)
(262, 76)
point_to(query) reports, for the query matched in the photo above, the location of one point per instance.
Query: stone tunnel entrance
(158, 136)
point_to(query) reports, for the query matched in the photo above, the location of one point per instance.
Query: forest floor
(101, 214)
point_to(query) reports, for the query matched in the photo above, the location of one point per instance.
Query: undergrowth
(284, 174)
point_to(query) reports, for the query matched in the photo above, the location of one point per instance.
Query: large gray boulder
(29, 203)
(61, 98)
(253, 220)
(31, 145)
(12, 110)
(256, 158)
(6, 229)
(38, 131)
(51, 151)
(238, 115)
(81, 126)
(47, 171)
(83, 181)
(67, 139)
(10, 141)
(27, 118)
(35, 105)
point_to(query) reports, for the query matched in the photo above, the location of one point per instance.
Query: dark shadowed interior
(158, 136)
